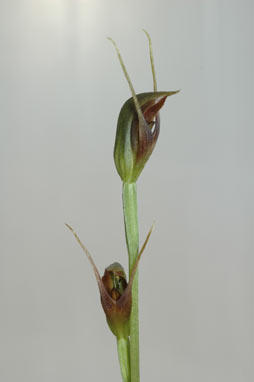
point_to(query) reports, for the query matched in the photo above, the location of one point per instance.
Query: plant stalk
(123, 348)
(132, 240)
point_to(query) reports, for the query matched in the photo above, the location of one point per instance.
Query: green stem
(132, 240)
(124, 358)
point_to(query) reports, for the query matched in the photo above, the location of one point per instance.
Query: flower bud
(115, 292)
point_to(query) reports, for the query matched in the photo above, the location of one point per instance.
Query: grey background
(61, 89)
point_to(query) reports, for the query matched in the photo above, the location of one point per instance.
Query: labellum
(114, 290)
(114, 280)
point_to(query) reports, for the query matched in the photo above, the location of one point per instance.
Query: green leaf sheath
(124, 358)
(132, 240)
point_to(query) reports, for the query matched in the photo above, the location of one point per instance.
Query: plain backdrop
(61, 89)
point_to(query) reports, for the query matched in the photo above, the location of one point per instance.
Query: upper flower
(138, 126)
(137, 135)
